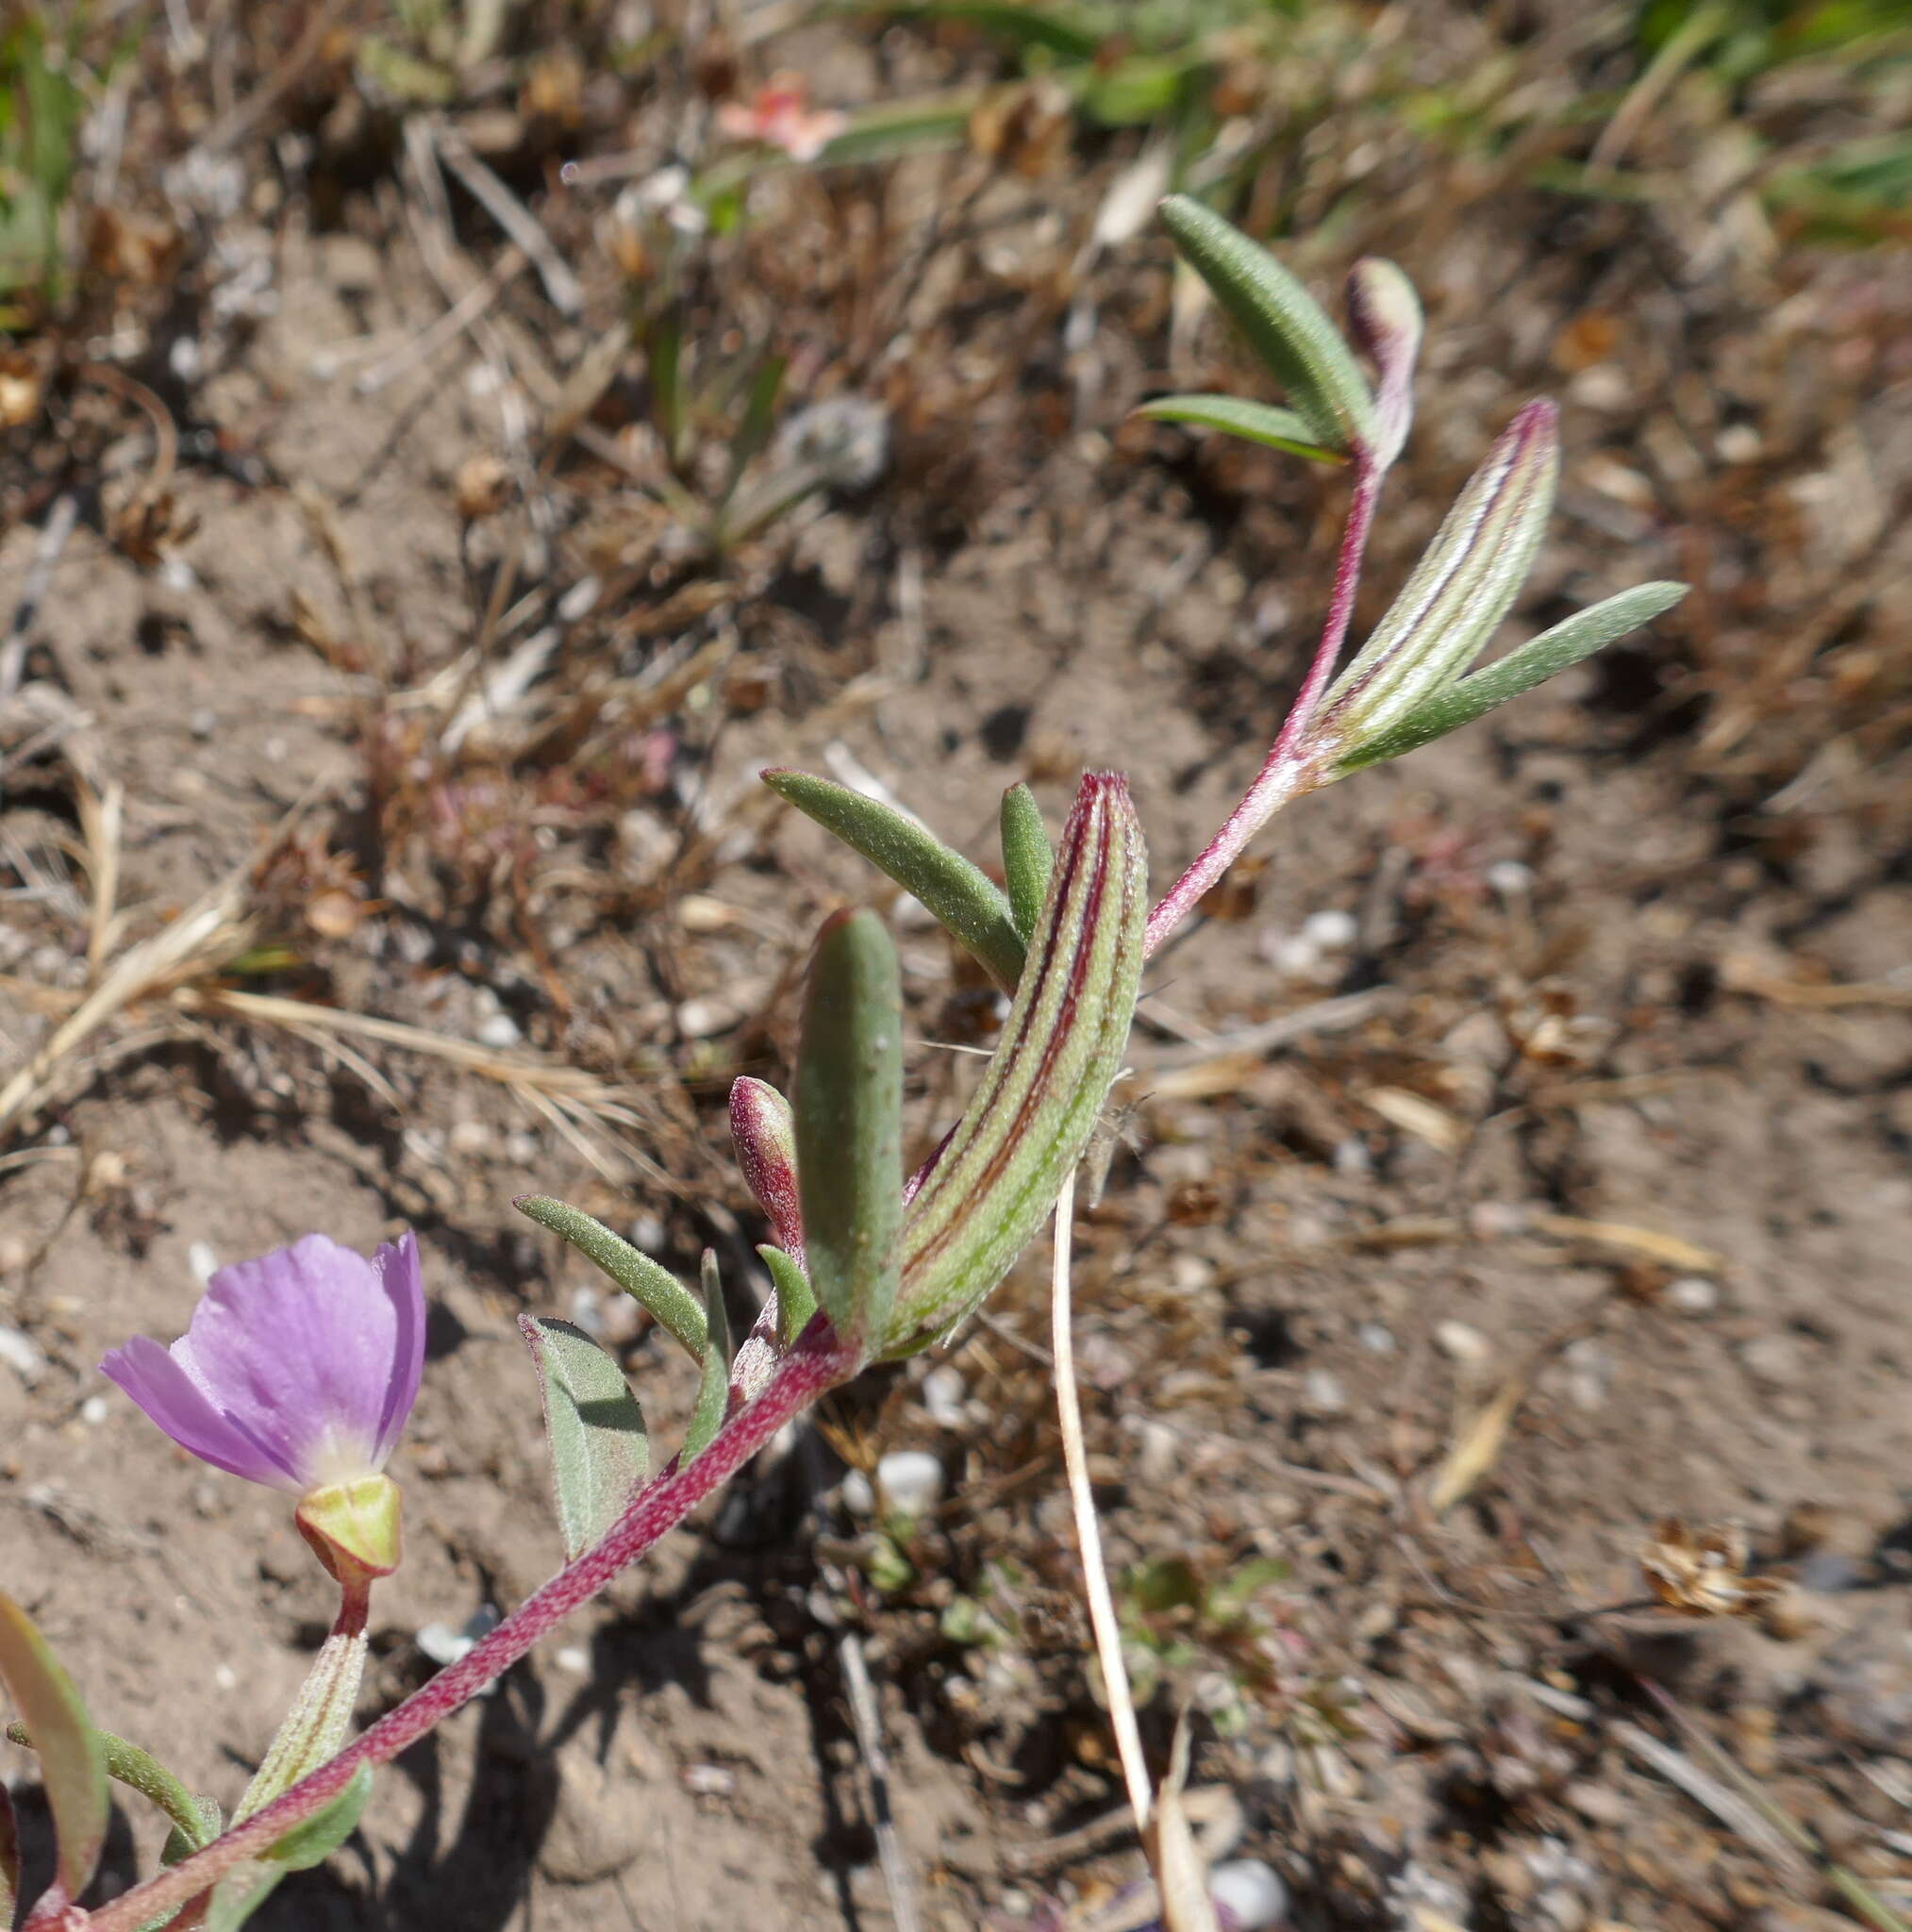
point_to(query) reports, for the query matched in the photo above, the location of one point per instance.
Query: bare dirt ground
(1593, 1209)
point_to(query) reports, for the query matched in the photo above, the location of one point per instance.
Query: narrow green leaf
(713, 1392)
(1236, 416)
(247, 1887)
(849, 1108)
(796, 1300)
(1463, 586)
(599, 1451)
(959, 894)
(997, 1178)
(73, 1760)
(1027, 857)
(1538, 658)
(194, 1818)
(1283, 324)
(671, 1304)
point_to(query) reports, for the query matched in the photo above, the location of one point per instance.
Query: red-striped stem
(816, 1364)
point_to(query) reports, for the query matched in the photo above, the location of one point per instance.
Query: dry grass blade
(1478, 1446)
(568, 1096)
(200, 940)
(868, 1722)
(1102, 1616)
(1180, 1870)
(1728, 1807)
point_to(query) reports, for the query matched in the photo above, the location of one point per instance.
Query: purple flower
(297, 1369)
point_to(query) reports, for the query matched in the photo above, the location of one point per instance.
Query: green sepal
(962, 897)
(72, 1756)
(599, 1451)
(713, 1388)
(672, 1305)
(1538, 659)
(849, 1116)
(796, 1300)
(1284, 325)
(996, 1179)
(1028, 858)
(1236, 416)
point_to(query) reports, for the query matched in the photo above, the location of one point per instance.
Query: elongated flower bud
(765, 1136)
(997, 1177)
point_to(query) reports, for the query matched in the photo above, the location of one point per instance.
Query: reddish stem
(818, 1363)
(1285, 770)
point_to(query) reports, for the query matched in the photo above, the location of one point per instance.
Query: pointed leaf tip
(959, 894)
(73, 1758)
(1531, 663)
(670, 1303)
(1027, 859)
(849, 1124)
(1283, 324)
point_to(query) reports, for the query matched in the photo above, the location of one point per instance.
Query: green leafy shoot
(796, 1301)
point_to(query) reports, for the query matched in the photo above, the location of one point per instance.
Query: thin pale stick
(1102, 1617)
(868, 1722)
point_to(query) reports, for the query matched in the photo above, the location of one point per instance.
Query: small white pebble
(1738, 443)
(709, 1780)
(1325, 1395)
(203, 1258)
(909, 1481)
(586, 1309)
(1693, 1294)
(1375, 1338)
(1250, 1893)
(1294, 953)
(22, 1355)
(1460, 1344)
(855, 1495)
(573, 1659)
(93, 1410)
(1331, 932)
(13, 1254)
(1352, 1159)
(1509, 878)
(225, 1677)
(943, 1390)
(521, 1147)
(700, 1018)
(499, 1031)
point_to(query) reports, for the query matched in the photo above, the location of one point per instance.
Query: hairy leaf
(1027, 857)
(849, 1112)
(796, 1301)
(1538, 658)
(1236, 416)
(599, 1451)
(958, 893)
(1283, 322)
(669, 1301)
